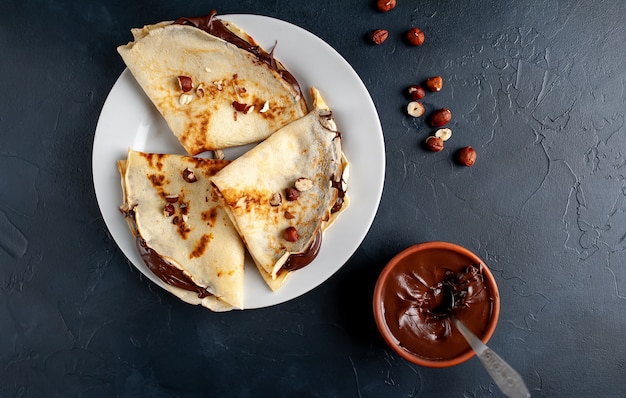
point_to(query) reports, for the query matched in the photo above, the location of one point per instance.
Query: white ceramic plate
(129, 120)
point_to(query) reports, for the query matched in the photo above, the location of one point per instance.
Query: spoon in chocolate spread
(508, 380)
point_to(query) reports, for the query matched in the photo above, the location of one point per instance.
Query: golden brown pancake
(302, 159)
(183, 234)
(212, 93)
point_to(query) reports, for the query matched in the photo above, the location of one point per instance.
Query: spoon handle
(508, 380)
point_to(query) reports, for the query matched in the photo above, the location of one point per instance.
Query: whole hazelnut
(434, 84)
(434, 144)
(385, 5)
(416, 92)
(440, 117)
(378, 36)
(467, 156)
(415, 37)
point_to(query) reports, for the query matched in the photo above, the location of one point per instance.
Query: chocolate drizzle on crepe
(214, 26)
(338, 185)
(300, 260)
(159, 266)
(167, 272)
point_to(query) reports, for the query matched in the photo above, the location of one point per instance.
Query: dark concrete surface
(538, 88)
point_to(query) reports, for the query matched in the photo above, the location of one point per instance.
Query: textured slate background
(538, 88)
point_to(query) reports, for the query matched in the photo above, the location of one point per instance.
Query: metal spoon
(506, 378)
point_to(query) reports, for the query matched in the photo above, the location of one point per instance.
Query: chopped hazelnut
(290, 234)
(415, 109)
(185, 83)
(265, 107)
(171, 198)
(303, 184)
(244, 108)
(200, 90)
(185, 98)
(239, 106)
(276, 199)
(169, 210)
(189, 175)
(292, 194)
(444, 134)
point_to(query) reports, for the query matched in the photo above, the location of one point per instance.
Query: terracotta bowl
(411, 310)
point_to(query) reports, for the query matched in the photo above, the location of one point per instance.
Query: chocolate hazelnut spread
(215, 26)
(167, 272)
(159, 266)
(414, 303)
(338, 185)
(300, 260)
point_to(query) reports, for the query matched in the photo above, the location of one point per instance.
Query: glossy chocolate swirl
(415, 307)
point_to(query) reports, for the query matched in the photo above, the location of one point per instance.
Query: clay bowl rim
(382, 325)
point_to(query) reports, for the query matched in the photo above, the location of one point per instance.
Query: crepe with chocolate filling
(183, 234)
(212, 93)
(302, 159)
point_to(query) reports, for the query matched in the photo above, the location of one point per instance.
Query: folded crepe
(182, 233)
(213, 84)
(284, 192)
